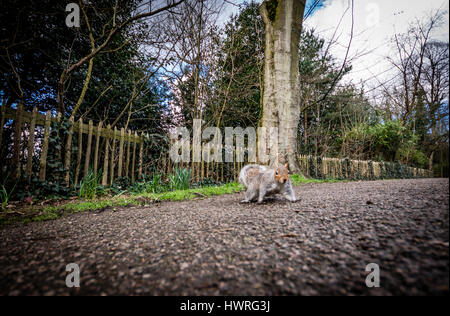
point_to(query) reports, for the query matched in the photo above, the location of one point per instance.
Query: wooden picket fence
(129, 156)
(123, 153)
(341, 168)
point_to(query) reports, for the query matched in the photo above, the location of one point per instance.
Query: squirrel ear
(286, 165)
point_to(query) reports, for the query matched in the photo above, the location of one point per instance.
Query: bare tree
(114, 27)
(435, 91)
(410, 63)
(193, 60)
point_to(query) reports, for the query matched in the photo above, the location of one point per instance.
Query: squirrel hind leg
(262, 194)
(251, 194)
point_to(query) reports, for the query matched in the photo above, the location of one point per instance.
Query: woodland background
(152, 73)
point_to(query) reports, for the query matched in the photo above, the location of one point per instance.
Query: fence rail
(27, 117)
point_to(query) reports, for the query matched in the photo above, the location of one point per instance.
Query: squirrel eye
(276, 173)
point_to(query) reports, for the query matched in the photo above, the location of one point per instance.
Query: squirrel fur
(262, 181)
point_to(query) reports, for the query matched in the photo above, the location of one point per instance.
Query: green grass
(47, 214)
(5, 195)
(137, 199)
(190, 194)
(297, 179)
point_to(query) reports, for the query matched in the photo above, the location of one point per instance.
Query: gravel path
(217, 246)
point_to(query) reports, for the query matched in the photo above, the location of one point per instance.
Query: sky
(375, 23)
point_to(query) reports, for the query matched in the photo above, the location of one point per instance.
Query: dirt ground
(320, 245)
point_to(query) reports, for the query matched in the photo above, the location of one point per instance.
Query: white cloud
(375, 22)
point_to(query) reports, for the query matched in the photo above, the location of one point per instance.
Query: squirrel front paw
(245, 201)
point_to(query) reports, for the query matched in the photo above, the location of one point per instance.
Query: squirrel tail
(243, 178)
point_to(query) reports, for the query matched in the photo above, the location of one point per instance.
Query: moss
(47, 214)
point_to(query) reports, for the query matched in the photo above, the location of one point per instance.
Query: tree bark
(281, 95)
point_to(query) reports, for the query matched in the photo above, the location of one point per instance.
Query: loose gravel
(320, 245)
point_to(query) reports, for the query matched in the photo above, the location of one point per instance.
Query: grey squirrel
(262, 181)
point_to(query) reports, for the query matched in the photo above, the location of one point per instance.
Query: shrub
(390, 141)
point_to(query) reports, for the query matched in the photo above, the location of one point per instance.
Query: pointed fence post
(113, 151)
(127, 163)
(141, 156)
(68, 153)
(29, 167)
(43, 160)
(134, 156)
(146, 154)
(79, 150)
(88, 150)
(58, 126)
(97, 143)
(106, 160)
(17, 137)
(122, 135)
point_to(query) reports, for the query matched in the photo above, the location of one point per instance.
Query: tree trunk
(281, 96)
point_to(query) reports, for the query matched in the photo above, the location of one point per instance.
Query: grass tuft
(90, 185)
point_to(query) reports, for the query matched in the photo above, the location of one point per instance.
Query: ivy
(271, 7)
(312, 167)
(346, 171)
(358, 172)
(319, 174)
(55, 168)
